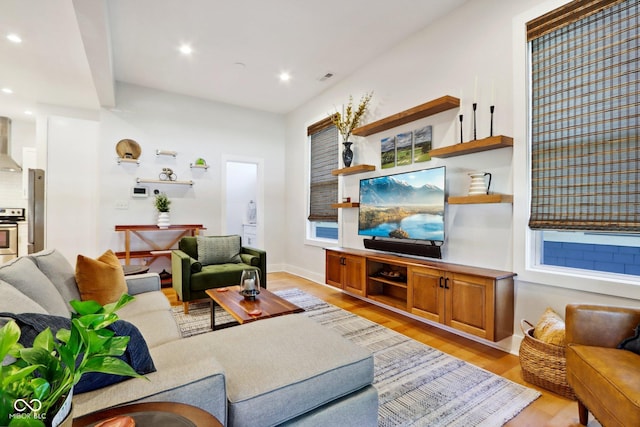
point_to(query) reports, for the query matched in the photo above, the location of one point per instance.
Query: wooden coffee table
(265, 305)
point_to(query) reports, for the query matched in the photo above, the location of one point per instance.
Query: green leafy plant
(48, 370)
(162, 202)
(350, 119)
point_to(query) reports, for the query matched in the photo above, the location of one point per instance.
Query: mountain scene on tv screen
(391, 207)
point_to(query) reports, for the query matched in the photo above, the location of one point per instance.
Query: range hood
(7, 164)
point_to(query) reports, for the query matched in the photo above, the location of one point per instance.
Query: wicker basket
(544, 365)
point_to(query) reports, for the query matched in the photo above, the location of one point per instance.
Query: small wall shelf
(482, 198)
(166, 153)
(491, 143)
(160, 181)
(353, 169)
(424, 110)
(346, 205)
(192, 166)
(126, 160)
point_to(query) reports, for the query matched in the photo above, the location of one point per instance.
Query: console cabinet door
(345, 272)
(333, 267)
(471, 304)
(354, 274)
(426, 293)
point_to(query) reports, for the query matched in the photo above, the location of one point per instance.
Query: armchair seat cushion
(218, 275)
(607, 378)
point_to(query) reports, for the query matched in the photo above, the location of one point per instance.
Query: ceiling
(73, 51)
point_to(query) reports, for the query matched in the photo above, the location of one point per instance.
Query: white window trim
(525, 261)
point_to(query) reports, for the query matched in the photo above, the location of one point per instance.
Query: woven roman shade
(324, 159)
(585, 168)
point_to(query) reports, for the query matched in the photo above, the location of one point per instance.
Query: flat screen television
(407, 205)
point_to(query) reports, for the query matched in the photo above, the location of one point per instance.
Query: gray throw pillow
(218, 249)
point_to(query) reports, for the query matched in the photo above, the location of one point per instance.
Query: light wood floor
(548, 410)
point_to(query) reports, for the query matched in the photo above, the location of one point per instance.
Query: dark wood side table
(154, 414)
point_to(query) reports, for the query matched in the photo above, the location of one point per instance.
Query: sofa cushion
(267, 387)
(145, 302)
(56, 267)
(100, 279)
(23, 274)
(136, 355)
(157, 327)
(185, 373)
(14, 301)
(215, 276)
(218, 249)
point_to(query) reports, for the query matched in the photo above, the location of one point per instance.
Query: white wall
(71, 190)
(475, 42)
(194, 128)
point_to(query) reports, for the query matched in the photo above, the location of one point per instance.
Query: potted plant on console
(348, 121)
(37, 382)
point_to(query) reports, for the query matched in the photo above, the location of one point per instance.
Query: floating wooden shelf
(353, 169)
(160, 181)
(192, 166)
(127, 160)
(491, 143)
(346, 205)
(424, 110)
(482, 198)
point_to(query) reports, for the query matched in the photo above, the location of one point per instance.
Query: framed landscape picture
(404, 149)
(422, 144)
(388, 152)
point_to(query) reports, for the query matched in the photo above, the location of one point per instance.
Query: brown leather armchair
(606, 380)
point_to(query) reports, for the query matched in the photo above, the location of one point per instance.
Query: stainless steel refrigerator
(35, 210)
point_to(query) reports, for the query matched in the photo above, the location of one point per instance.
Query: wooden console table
(155, 250)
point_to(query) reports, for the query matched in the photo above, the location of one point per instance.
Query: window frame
(526, 241)
(310, 235)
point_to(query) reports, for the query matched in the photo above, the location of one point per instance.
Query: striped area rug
(417, 385)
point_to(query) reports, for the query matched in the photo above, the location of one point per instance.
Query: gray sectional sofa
(282, 371)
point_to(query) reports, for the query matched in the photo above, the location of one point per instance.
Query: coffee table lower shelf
(266, 305)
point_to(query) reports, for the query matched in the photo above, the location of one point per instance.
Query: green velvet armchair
(206, 262)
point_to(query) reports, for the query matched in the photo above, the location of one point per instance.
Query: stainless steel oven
(9, 218)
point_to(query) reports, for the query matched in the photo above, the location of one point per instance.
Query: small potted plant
(348, 121)
(37, 380)
(162, 204)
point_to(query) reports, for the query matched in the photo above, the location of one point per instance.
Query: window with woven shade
(585, 97)
(323, 185)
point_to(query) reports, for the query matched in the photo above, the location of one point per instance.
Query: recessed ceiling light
(285, 76)
(14, 38)
(28, 113)
(7, 90)
(186, 49)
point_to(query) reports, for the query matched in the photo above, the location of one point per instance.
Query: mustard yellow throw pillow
(550, 328)
(100, 279)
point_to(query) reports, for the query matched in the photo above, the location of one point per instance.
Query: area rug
(417, 385)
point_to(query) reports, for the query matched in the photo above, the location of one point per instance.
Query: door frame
(260, 202)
